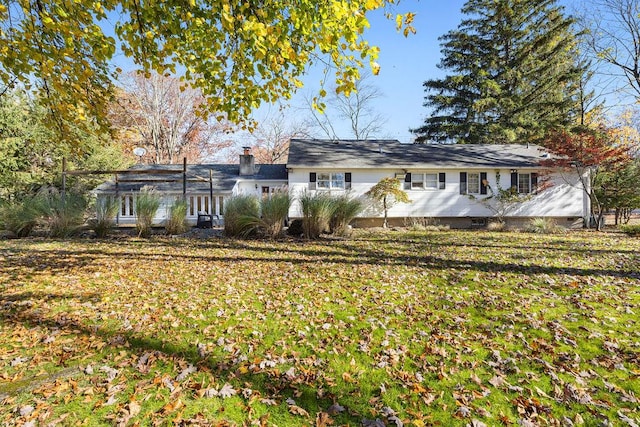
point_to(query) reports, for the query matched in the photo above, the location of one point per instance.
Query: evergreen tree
(31, 155)
(513, 72)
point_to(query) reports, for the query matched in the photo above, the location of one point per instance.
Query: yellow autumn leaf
(375, 68)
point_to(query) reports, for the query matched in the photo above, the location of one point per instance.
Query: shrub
(497, 226)
(317, 210)
(240, 213)
(543, 226)
(147, 204)
(345, 209)
(63, 214)
(106, 211)
(422, 223)
(631, 229)
(20, 217)
(177, 221)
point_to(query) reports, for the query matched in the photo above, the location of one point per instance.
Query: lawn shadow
(410, 253)
(265, 383)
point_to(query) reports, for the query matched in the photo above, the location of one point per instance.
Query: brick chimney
(247, 163)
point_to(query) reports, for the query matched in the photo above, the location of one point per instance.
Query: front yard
(428, 328)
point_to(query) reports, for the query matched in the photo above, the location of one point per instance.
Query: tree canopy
(591, 152)
(512, 70)
(238, 53)
(388, 192)
(31, 154)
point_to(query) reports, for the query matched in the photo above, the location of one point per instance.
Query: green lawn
(429, 328)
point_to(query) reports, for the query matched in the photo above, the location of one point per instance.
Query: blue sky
(405, 64)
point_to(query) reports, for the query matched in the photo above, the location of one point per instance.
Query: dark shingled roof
(322, 153)
(224, 176)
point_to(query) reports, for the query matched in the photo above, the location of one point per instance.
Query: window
(478, 222)
(422, 181)
(126, 205)
(417, 181)
(473, 183)
(524, 183)
(330, 181)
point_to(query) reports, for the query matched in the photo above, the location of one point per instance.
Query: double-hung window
(424, 181)
(329, 180)
(473, 183)
(524, 183)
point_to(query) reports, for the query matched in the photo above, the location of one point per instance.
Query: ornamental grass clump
(177, 221)
(542, 225)
(239, 215)
(106, 211)
(317, 210)
(273, 212)
(345, 209)
(147, 204)
(63, 213)
(268, 221)
(20, 217)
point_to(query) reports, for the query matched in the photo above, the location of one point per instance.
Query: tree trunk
(384, 205)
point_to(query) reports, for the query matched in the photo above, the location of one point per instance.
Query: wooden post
(184, 179)
(211, 201)
(64, 180)
(118, 201)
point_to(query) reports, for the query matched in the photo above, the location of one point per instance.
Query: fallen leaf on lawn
(210, 392)
(172, 406)
(627, 420)
(128, 412)
(395, 421)
(18, 361)
(227, 391)
(186, 372)
(323, 419)
(26, 410)
(296, 410)
(335, 409)
(111, 373)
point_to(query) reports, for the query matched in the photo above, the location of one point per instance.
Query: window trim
(332, 178)
(470, 182)
(127, 206)
(483, 183)
(524, 178)
(532, 183)
(437, 180)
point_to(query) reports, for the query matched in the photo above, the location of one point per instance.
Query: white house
(445, 182)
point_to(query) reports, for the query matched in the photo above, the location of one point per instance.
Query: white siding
(563, 198)
(254, 187)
